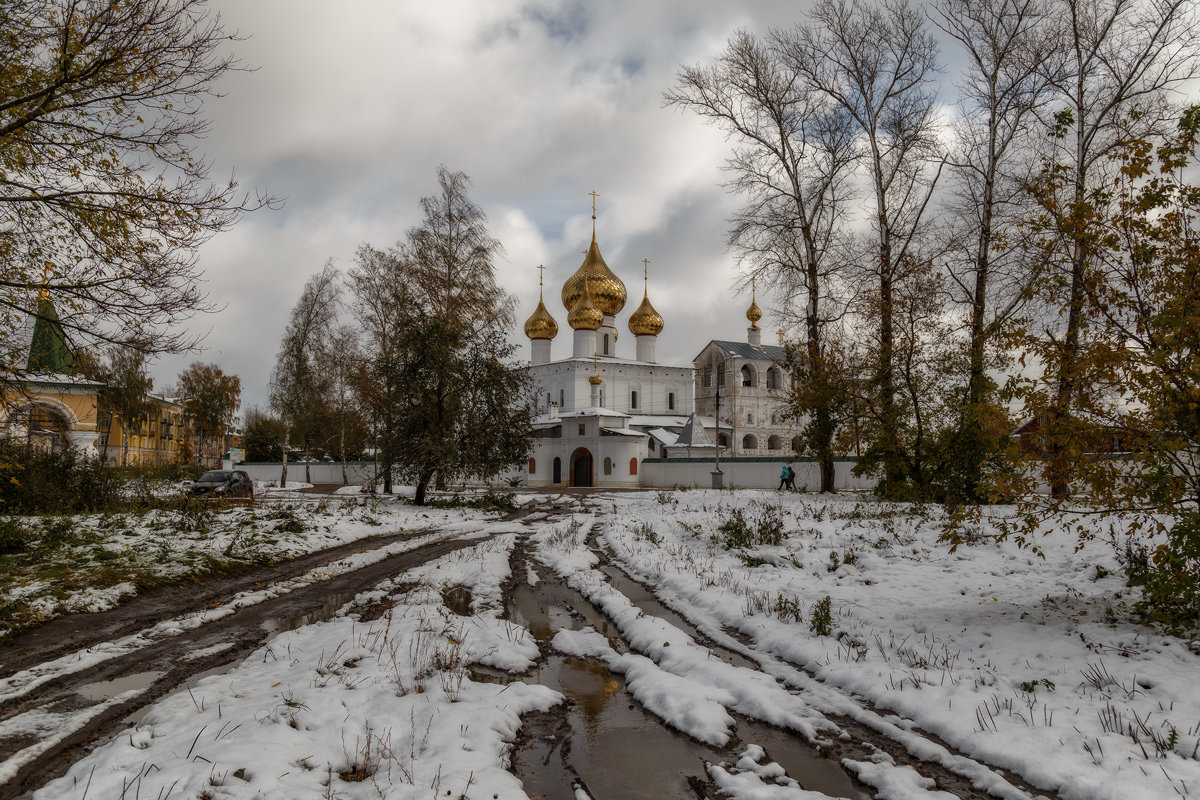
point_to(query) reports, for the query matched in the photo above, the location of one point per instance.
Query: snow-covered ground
(92, 562)
(1027, 663)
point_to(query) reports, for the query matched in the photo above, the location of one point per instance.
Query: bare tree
(877, 63)
(298, 381)
(103, 198)
(1011, 57)
(792, 162)
(1123, 60)
(342, 361)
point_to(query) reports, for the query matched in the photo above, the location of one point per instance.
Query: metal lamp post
(718, 477)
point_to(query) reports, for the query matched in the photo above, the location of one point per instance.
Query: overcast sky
(352, 106)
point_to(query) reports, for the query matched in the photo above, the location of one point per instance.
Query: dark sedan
(224, 483)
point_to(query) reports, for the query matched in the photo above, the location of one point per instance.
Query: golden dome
(645, 321)
(754, 313)
(606, 288)
(585, 315)
(595, 380)
(540, 324)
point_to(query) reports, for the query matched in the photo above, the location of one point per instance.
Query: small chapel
(601, 413)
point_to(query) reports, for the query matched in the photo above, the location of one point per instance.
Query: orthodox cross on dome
(594, 195)
(541, 276)
(780, 332)
(645, 269)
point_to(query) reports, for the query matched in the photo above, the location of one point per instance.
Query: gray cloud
(352, 106)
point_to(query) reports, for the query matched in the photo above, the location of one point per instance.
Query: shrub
(1170, 575)
(821, 621)
(34, 481)
(765, 528)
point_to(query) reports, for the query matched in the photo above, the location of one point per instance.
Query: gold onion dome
(595, 380)
(540, 324)
(754, 314)
(606, 288)
(645, 321)
(585, 314)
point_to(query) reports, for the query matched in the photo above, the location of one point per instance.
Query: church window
(797, 444)
(749, 442)
(773, 381)
(671, 401)
(561, 399)
(532, 466)
(723, 440)
(633, 466)
(581, 429)
(747, 375)
(706, 376)
(749, 419)
(607, 465)
(606, 344)
(720, 373)
(548, 400)
(774, 443)
(633, 398)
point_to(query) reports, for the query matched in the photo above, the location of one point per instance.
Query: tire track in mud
(861, 740)
(168, 664)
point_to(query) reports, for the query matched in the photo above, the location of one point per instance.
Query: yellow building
(54, 407)
(155, 441)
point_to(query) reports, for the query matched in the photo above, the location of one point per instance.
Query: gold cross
(596, 362)
(780, 332)
(541, 274)
(594, 195)
(645, 269)
(753, 288)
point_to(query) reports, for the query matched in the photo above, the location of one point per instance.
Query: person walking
(791, 477)
(783, 478)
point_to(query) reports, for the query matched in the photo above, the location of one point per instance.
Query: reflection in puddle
(610, 743)
(330, 607)
(106, 690)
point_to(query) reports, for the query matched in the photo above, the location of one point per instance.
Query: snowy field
(92, 562)
(1030, 664)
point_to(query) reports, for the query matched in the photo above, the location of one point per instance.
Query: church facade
(601, 412)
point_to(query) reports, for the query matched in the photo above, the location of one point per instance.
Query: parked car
(224, 483)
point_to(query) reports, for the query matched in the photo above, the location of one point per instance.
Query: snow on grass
(1031, 664)
(345, 708)
(21, 683)
(57, 565)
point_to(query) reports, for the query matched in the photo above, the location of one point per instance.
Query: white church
(609, 420)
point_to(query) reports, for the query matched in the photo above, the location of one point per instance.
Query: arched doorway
(44, 427)
(581, 467)
(557, 470)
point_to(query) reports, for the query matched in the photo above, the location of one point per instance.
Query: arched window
(749, 442)
(720, 373)
(607, 465)
(633, 466)
(773, 378)
(532, 466)
(749, 418)
(606, 344)
(797, 444)
(633, 398)
(774, 443)
(723, 440)
(706, 376)
(747, 375)
(561, 399)
(670, 401)
(548, 399)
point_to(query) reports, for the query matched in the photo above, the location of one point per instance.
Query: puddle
(641, 597)
(99, 691)
(137, 716)
(458, 600)
(608, 741)
(330, 607)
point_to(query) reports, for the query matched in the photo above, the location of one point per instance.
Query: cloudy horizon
(349, 110)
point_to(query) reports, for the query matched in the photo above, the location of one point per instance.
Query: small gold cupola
(753, 313)
(540, 324)
(607, 290)
(645, 321)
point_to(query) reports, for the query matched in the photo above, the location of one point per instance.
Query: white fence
(748, 473)
(737, 473)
